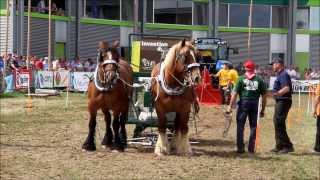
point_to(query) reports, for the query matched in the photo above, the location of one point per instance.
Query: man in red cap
(249, 87)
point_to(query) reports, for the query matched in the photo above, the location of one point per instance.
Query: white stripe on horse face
(109, 55)
(194, 57)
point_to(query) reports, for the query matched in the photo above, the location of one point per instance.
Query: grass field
(45, 143)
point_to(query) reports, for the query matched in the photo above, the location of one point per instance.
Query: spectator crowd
(16, 62)
(266, 72)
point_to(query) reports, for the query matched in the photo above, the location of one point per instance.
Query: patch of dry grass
(45, 143)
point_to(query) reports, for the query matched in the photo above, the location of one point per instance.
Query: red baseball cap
(249, 65)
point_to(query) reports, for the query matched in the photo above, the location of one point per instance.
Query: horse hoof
(88, 147)
(160, 154)
(107, 146)
(117, 151)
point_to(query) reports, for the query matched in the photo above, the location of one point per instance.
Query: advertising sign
(61, 78)
(81, 80)
(45, 79)
(145, 51)
(22, 78)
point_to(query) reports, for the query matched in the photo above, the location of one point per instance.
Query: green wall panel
(267, 2)
(3, 4)
(314, 3)
(302, 61)
(59, 50)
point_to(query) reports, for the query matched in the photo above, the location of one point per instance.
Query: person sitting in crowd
(41, 6)
(54, 8)
(298, 75)
(92, 65)
(39, 64)
(292, 72)
(86, 65)
(56, 64)
(63, 64)
(45, 64)
(315, 74)
(78, 65)
(307, 73)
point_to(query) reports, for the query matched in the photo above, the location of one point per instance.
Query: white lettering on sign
(154, 44)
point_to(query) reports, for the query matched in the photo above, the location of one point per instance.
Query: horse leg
(123, 132)
(162, 145)
(117, 145)
(182, 141)
(107, 139)
(175, 138)
(89, 144)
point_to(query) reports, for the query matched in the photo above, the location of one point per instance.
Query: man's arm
(282, 91)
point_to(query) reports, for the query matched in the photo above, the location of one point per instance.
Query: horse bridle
(97, 79)
(187, 67)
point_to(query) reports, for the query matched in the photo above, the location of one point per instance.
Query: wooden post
(28, 34)
(249, 31)
(49, 40)
(6, 48)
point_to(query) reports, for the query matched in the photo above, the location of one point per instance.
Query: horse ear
(116, 44)
(103, 45)
(183, 42)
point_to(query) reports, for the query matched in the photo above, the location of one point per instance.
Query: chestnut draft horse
(110, 91)
(172, 87)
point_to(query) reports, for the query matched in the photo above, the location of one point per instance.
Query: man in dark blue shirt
(282, 92)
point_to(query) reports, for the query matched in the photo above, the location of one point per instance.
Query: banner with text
(22, 78)
(81, 80)
(45, 79)
(61, 78)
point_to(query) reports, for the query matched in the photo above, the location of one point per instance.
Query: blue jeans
(9, 83)
(247, 108)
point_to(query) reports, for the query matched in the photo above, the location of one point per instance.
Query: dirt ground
(45, 143)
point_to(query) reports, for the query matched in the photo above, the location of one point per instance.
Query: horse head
(108, 63)
(186, 62)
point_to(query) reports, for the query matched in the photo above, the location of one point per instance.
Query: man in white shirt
(292, 72)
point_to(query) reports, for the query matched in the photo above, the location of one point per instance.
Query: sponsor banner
(81, 80)
(22, 78)
(45, 79)
(61, 79)
(304, 85)
(146, 52)
(298, 85)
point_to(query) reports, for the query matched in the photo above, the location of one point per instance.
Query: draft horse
(110, 90)
(172, 86)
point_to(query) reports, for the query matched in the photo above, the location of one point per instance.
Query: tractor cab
(214, 52)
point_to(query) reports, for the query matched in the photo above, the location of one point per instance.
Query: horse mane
(170, 57)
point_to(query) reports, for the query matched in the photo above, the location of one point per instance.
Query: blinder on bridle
(187, 67)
